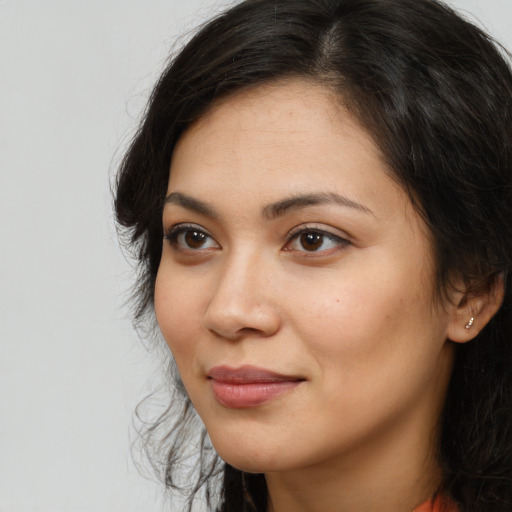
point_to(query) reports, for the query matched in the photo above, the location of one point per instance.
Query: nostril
(249, 330)
(237, 334)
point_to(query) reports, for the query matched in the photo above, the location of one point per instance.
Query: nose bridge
(241, 267)
(242, 301)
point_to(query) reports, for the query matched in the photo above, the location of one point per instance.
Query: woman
(320, 196)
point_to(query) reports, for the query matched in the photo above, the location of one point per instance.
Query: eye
(191, 238)
(314, 240)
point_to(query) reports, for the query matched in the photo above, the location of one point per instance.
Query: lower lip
(240, 396)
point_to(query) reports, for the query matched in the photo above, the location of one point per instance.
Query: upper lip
(248, 374)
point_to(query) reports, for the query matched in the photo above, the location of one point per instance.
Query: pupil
(311, 241)
(195, 239)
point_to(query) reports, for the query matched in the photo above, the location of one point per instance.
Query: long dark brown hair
(435, 92)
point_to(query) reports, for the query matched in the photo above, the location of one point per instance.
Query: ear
(471, 310)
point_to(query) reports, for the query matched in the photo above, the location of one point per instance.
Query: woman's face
(295, 289)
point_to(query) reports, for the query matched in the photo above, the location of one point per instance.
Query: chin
(251, 466)
(251, 459)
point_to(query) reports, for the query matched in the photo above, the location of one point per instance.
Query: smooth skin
(289, 247)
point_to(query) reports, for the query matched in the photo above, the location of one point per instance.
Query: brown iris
(311, 241)
(195, 239)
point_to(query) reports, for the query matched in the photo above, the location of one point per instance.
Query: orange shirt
(435, 506)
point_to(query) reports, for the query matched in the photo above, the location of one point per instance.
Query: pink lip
(248, 386)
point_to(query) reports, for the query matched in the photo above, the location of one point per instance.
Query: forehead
(295, 135)
(292, 107)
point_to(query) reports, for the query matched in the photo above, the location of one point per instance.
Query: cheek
(366, 322)
(349, 311)
(176, 314)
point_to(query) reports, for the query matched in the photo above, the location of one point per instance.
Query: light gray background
(74, 76)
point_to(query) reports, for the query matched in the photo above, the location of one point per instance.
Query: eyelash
(339, 242)
(174, 233)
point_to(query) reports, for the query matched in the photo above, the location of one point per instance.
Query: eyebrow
(190, 203)
(273, 210)
(301, 201)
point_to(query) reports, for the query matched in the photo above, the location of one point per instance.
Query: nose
(243, 302)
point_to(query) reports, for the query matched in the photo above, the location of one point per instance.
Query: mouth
(249, 386)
